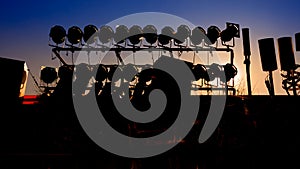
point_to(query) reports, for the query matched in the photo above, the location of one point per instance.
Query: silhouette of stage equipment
(247, 53)
(289, 73)
(268, 61)
(13, 84)
(135, 38)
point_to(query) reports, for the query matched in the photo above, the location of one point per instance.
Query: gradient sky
(25, 26)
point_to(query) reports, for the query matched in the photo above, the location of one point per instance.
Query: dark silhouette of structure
(268, 61)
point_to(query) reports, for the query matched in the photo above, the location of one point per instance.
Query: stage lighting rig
(147, 38)
(58, 34)
(48, 74)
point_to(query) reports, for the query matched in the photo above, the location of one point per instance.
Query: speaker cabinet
(286, 53)
(267, 54)
(246, 41)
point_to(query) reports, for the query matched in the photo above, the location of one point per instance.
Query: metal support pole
(247, 63)
(272, 93)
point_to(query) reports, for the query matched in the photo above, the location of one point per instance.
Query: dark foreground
(255, 132)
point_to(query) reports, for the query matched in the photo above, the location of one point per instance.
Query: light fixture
(167, 34)
(75, 35)
(214, 70)
(90, 33)
(213, 33)
(230, 71)
(57, 34)
(183, 32)
(65, 73)
(135, 34)
(101, 73)
(121, 34)
(200, 72)
(150, 34)
(232, 30)
(106, 34)
(48, 74)
(197, 36)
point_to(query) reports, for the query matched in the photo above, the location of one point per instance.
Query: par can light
(58, 34)
(183, 32)
(167, 34)
(75, 35)
(106, 34)
(230, 32)
(150, 34)
(90, 33)
(213, 33)
(121, 34)
(197, 36)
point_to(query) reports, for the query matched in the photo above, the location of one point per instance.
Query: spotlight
(106, 34)
(74, 35)
(101, 73)
(183, 32)
(167, 34)
(89, 35)
(121, 34)
(48, 74)
(58, 34)
(232, 30)
(198, 34)
(200, 72)
(65, 72)
(135, 34)
(230, 71)
(214, 71)
(213, 33)
(150, 34)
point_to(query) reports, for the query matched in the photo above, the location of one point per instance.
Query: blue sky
(25, 25)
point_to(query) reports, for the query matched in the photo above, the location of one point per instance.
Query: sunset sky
(25, 27)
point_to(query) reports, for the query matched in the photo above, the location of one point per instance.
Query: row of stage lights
(105, 72)
(135, 34)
